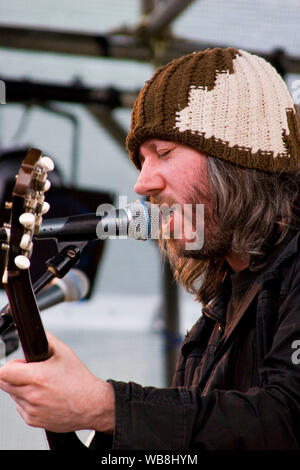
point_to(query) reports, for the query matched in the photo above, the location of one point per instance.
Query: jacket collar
(216, 310)
(280, 255)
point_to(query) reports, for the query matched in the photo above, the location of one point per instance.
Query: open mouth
(167, 226)
(179, 225)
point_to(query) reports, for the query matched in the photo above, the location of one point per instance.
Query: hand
(59, 394)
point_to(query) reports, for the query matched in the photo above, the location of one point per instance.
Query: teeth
(165, 227)
(27, 219)
(47, 163)
(22, 262)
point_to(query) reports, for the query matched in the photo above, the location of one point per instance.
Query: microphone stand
(57, 266)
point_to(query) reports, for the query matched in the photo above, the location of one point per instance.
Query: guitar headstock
(26, 211)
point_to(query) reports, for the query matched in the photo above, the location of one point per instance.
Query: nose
(150, 180)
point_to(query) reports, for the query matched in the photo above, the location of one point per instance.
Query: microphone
(139, 220)
(73, 286)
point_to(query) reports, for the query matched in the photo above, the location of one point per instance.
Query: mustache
(192, 194)
(162, 201)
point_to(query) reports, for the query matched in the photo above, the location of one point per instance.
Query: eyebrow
(166, 145)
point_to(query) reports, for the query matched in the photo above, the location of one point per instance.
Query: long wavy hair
(253, 209)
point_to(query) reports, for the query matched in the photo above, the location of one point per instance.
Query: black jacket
(236, 386)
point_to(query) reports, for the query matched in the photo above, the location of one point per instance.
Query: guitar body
(25, 219)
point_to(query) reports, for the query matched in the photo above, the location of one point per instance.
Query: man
(217, 128)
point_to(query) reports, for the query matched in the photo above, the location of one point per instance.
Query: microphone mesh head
(144, 222)
(76, 285)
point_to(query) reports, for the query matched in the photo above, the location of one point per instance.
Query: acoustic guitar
(27, 207)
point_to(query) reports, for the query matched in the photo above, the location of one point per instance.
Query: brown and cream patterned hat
(228, 103)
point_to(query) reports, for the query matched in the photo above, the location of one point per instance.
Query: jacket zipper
(211, 317)
(220, 324)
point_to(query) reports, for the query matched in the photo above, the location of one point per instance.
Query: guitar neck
(34, 342)
(26, 316)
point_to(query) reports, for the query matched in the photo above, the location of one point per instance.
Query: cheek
(193, 188)
(187, 177)
(181, 178)
(193, 171)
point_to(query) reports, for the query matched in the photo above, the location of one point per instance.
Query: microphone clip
(61, 263)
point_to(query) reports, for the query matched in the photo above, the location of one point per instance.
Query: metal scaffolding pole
(172, 318)
(146, 6)
(100, 102)
(162, 15)
(117, 46)
(27, 91)
(114, 46)
(105, 117)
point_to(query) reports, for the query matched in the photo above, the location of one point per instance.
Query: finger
(25, 412)
(23, 404)
(20, 407)
(14, 361)
(13, 390)
(16, 373)
(22, 361)
(3, 386)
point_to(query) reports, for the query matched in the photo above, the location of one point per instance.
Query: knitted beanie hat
(227, 103)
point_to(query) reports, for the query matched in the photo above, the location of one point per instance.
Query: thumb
(22, 361)
(15, 372)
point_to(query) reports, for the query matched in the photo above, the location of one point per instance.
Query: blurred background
(72, 71)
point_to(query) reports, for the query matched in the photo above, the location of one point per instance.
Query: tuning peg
(47, 185)
(47, 163)
(27, 219)
(4, 246)
(26, 243)
(22, 262)
(45, 207)
(8, 205)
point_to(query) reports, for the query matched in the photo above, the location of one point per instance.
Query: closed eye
(164, 153)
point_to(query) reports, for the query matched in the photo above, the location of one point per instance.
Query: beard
(216, 243)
